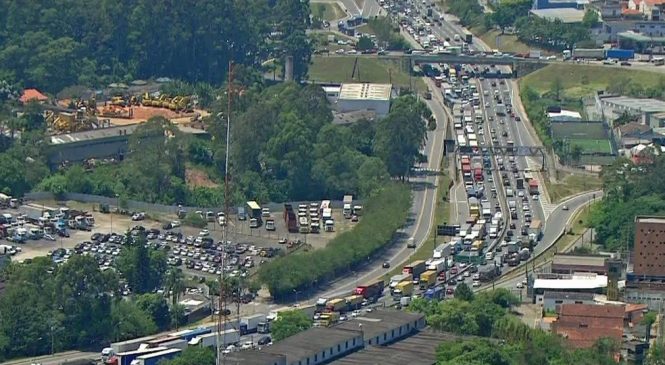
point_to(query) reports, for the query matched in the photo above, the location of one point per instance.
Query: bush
(385, 212)
(195, 220)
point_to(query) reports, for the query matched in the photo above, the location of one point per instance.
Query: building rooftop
(647, 105)
(253, 358)
(380, 321)
(32, 94)
(566, 15)
(419, 349)
(312, 341)
(555, 294)
(583, 324)
(635, 127)
(353, 116)
(649, 219)
(365, 92)
(641, 38)
(565, 114)
(576, 281)
(582, 260)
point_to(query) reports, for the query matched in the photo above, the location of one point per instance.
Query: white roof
(565, 113)
(332, 89)
(365, 91)
(576, 281)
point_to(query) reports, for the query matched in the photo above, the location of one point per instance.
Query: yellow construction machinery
(119, 101)
(68, 122)
(116, 111)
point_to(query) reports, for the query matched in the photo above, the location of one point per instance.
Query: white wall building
(374, 97)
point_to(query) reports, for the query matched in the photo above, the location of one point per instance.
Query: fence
(138, 206)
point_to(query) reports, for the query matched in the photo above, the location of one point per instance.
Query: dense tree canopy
(289, 323)
(53, 44)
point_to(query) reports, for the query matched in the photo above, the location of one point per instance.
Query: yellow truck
(403, 289)
(336, 305)
(353, 302)
(328, 319)
(478, 245)
(427, 279)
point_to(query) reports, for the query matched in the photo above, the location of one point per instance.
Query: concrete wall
(381, 107)
(80, 151)
(394, 334)
(549, 304)
(654, 299)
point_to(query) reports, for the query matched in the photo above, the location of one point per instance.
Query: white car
(476, 284)
(204, 233)
(519, 286)
(535, 197)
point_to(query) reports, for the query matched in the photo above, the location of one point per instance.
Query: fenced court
(593, 137)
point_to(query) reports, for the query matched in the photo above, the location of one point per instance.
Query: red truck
(290, 218)
(372, 291)
(478, 174)
(533, 187)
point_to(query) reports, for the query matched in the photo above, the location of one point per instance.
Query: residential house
(583, 324)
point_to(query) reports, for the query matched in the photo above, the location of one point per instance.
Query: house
(32, 94)
(643, 154)
(583, 324)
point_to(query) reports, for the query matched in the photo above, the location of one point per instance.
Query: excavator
(68, 122)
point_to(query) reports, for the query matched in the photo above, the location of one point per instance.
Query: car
(460, 278)
(450, 291)
(565, 207)
(512, 225)
(625, 63)
(467, 274)
(453, 271)
(476, 284)
(452, 282)
(411, 243)
(519, 286)
(386, 265)
(264, 340)
(535, 197)
(204, 232)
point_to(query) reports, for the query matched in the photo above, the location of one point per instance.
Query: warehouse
(383, 327)
(317, 345)
(565, 15)
(553, 298)
(579, 283)
(254, 358)
(569, 264)
(374, 97)
(615, 106)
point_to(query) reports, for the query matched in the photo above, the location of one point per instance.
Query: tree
(556, 88)
(364, 43)
(156, 307)
(143, 269)
(130, 321)
(576, 153)
(463, 292)
(590, 19)
(656, 354)
(194, 355)
(289, 323)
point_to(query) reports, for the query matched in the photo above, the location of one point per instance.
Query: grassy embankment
(369, 69)
(328, 11)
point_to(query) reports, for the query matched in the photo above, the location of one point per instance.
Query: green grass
(373, 70)
(365, 29)
(572, 184)
(593, 145)
(328, 11)
(579, 130)
(506, 43)
(582, 80)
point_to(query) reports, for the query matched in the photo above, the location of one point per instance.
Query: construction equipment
(119, 101)
(68, 122)
(115, 111)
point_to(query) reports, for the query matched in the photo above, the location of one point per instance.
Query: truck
(620, 54)
(321, 304)
(494, 231)
(371, 291)
(353, 302)
(242, 214)
(290, 219)
(519, 183)
(270, 224)
(254, 210)
(263, 327)
(427, 279)
(512, 247)
(403, 289)
(534, 53)
(478, 174)
(524, 254)
(589, 53)
(126, 358)
(227, 337)
(249, 324)
(536, 230)
(154, 358)
(415, 268)
(533, 187)
(466, 172)
(303, 225)
(395, 279)
(336, 305)
(438, 265)
(468, 37)
(435, 293)
(348, 201)
(443, 250)
(488, 272)
(478, 245)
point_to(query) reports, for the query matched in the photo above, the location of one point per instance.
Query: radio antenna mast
(221, 318)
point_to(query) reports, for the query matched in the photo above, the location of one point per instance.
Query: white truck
(399, 278)
(494, 231)
(437, 265)
(228, 337)
(347, 209)
(249, 324)
(443, 250)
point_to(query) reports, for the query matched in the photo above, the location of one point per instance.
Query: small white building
(565, 116)
(374, 97)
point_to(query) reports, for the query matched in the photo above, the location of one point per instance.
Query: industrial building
(570, 263)
(578, 283)
(565, 15)
(383, 327)
(254, 358)
(98, 143)
(355, 97)
(552, 299)
(615, 106)
(317, 345)
(583, 324)
(649, 247)
(559, 4)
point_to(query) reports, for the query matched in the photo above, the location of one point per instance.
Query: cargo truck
(290, 218)
(373, 291)
(403, 289)
(249, 324)
(254, 211)
(533, 187)
(228, 337)
(435, 293)
(536, 230)
(336, 305)
(347, 209)
(589, 53)
(154, 358)
(443, 250)
(354, 302)
(620, 54)
(427, 279)
(437, 265)
(126, 358)
(488, 272)
(415, 268)
(399, 278)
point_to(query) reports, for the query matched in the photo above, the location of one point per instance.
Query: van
(509, 192)
(489, 256)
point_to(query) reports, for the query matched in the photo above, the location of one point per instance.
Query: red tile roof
(583, 324)
(32, 94)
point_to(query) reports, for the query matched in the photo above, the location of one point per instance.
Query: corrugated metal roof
(365, 92)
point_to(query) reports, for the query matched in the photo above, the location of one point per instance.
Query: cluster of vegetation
(629, 190)
(543, 33)
(387, 34)
(282, 149)
(289, 323)
(48, 308)
(120, 41)
(384, 212)
(503, 338)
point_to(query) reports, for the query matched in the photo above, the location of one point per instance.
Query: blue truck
(435, 293)
(620, 54)
(154, 358)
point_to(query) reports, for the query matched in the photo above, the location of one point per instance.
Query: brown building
(583, 324)
(649, 251)
(570, 263)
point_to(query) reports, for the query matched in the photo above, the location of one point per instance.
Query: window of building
(339, 348)
(558, 301)
(331, 351)
(385, 336)
(308, 361)
(392, 333)
(316, 357)
(323, 355)
(370, 342)
(377, 340)
(354, 342)
(346, 345)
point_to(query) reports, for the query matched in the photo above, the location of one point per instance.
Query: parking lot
(198, 252)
